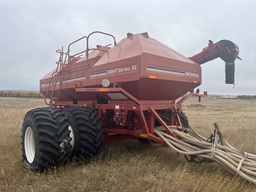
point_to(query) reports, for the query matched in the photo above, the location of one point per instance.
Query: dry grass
(129, 165)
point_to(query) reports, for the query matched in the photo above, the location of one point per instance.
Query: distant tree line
(25, 94)
(246, 96)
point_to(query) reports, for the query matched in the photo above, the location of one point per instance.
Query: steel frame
(146, 111)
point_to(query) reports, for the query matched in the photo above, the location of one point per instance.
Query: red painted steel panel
(144, 67)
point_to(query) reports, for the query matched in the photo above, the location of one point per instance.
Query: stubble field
(129, 165)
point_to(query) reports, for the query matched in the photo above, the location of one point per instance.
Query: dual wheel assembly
(51, 137)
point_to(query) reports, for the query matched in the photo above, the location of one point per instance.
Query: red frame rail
(145, 112)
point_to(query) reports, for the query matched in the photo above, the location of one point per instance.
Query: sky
(32, 30)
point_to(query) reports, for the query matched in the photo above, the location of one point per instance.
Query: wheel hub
(29, 145)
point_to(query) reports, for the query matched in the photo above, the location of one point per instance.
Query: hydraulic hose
(200, 149)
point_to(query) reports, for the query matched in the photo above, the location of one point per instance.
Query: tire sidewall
(29, 123)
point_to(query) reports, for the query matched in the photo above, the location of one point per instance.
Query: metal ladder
(56, 78)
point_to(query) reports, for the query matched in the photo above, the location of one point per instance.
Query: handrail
(87, 44)
(58, 73)
(68, 51)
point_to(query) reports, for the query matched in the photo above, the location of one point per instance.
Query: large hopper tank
(144, 67)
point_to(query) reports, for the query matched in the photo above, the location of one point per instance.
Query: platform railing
(64, 59)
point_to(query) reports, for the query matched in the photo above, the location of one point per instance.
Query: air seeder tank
(143, 67)
(107, 94)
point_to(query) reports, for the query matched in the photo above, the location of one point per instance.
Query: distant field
(129, 165)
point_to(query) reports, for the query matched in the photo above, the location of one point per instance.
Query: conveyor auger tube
(224, 49)
(236, 161)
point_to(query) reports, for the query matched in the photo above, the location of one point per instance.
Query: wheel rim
(72, 136)
(29, 145)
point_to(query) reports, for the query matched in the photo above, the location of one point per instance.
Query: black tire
(183, 119)
(165, 116)
(88, 133)
(45, 139)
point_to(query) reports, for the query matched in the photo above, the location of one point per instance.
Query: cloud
(32, 31)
